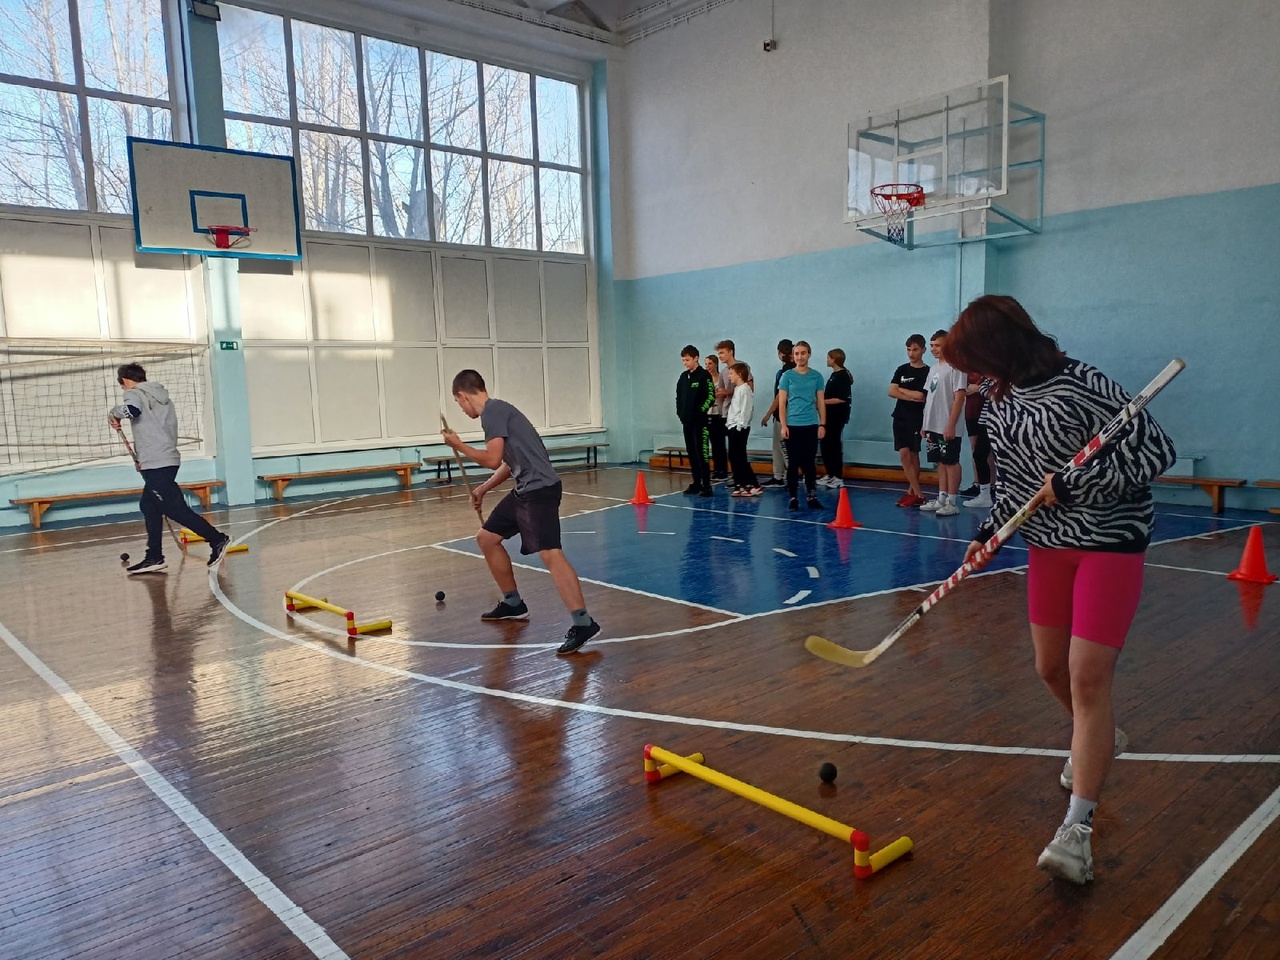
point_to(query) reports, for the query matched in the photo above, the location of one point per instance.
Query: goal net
(55, 394)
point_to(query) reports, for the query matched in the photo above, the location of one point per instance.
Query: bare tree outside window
(47, 160)
(42, 163)
(459, 197)
(255, 77)
(511, 212)
(453, 101)
(110, 122)
(35, 40)
(123, 45)
(259, 137)
(561, 211)
(507, 118)
(324, 67)
(332, 177)
(559, 123)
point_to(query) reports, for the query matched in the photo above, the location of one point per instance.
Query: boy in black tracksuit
(695, 393)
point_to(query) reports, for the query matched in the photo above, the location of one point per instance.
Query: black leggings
(833, 447)
(743, 476)
(716, 432)
(162, 497)
(802, 451)
(980, 444)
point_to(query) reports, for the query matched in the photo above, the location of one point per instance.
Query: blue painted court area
(755, 556)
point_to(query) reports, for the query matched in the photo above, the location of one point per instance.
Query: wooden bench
(1271, 484)
(590, 452)
(572, 453)
(1213, 486)
(279, 481)
(36, 506)
(677, 458)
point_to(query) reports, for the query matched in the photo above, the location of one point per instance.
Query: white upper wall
(726, 154)
(1145, 101)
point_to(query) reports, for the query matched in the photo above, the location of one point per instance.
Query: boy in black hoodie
(695, 393)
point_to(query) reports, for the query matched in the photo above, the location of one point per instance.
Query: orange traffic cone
(1253, 565)
(844, 516)
(642, 492)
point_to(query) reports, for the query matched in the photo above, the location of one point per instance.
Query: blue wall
(1125, 288)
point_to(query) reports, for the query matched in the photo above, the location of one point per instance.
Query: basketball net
(896, 201)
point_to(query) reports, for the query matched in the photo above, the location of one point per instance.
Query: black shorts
(535, 515)
(973, 426)
(946, 452)
(906, 433)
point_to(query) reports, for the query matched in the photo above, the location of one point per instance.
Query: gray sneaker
(1066, 778)
(1068, 855)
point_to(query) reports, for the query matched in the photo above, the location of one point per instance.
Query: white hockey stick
(827, 650)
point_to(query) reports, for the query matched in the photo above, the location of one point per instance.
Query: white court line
(813, 573)
(729, 539)
(785, 553)
(343, 656)
(656, 533)
(1166, 566)
(797, 597)
(598, 583)
(271, 896)
(1152, 934)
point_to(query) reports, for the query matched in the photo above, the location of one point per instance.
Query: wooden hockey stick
(827, 650)
(461, 469)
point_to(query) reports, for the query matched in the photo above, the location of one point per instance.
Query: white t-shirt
(940, 389)
(740, 408)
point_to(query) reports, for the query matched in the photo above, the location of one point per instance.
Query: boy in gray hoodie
(154, 424)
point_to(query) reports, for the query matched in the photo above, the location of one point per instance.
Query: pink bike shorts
(1093, 592)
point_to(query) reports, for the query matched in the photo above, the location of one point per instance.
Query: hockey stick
(827, 650)
(137, 465)
(461, 469)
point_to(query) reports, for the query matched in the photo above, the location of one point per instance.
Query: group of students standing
(715, 402)
(930, 403)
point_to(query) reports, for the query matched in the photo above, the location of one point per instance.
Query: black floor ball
(439, 596)
(827, 773)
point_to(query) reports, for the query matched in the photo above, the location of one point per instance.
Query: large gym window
(67, 106)
(398, 141)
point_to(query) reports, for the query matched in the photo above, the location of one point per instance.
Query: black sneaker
(505, 611)
(772, 482)
(148, 565)
(970, 491)
(577, 636)
(719, 477)
(216, 549)
(705, 492)
(814, 503)
(692, 489)
(794, 504)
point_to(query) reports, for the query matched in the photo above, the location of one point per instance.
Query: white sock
(1080, 810)
(984, 490)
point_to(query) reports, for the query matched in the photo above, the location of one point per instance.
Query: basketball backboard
(956, 146)
(180, 190)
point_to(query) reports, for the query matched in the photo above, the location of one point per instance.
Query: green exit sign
(228, 345)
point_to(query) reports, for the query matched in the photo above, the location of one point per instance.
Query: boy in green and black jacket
(695, 393)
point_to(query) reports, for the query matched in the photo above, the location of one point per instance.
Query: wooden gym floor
(185, 772)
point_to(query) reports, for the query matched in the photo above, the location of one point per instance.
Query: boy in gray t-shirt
(514, 449)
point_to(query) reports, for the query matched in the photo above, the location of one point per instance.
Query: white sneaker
(1068, 856)
(948, 509)
(1067, 779)
(980, 502)
(930, 506)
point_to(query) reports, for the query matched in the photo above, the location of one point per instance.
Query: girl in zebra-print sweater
(1088, 539)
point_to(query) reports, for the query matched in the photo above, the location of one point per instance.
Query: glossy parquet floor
(186, 772)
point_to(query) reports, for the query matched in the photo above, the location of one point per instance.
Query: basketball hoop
(224, 236)
(896, 201)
